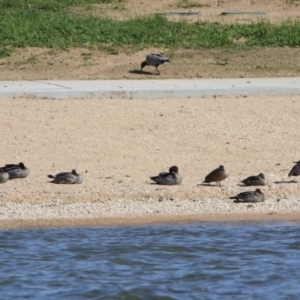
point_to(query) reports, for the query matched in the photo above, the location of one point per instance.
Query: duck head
(143, 64)
(173, 169)
(74, 172)
(259, 191)
(22, 166)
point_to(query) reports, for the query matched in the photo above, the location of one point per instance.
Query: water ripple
(192, 261)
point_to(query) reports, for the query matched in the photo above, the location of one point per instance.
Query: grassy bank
(38, 23)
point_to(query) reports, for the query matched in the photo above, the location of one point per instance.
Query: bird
(250, 196)
(16, 171)
(154, 60)
(171, 178)
(4, 176)
(217, 175)
(295, 170)
(255, 180)
(66, 177)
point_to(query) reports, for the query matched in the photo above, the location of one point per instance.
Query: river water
(206, 260)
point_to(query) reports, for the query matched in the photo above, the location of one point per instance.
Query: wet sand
(117, 144)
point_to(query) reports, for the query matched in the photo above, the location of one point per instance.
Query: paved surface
(149, 89)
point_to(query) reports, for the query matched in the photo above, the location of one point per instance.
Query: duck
(66, 177)
(249, 196)
(217, 175)
(16, 171)
(255, 180)
(171, 178)
(295, 170)
(4, 176)
(154, 60)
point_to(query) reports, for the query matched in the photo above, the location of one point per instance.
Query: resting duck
(295, 170)
(154, 60)
(171, 178)
(16, 171)
(251, 196)
(66, 177)
(4, 176)
(217, 175)
(255, 180)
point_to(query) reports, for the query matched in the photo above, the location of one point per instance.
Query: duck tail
(50, 176)
(237, 201)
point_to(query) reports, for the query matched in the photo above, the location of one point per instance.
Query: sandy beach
(117, 144)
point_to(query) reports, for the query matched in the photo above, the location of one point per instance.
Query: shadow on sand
(207, 184)
(140, 72)
(285, 181)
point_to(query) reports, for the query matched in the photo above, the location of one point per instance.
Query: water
(192, 261)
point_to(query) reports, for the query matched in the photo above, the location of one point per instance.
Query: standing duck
(255, 180)
(66, 177)
(295, 170)
(250, 196)
(171, 178)
(154, 60)
(4, 176)
(16, 171)
(217, 175)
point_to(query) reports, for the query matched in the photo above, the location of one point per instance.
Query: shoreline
(147, 220)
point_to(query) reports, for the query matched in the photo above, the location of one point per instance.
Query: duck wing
(165, 178)
(253, 180)
(248, 197)
(241, 195)
(156, 59)
(63, 174)
(10, 167)
(161, 57)
(164, 174)
(160, 175)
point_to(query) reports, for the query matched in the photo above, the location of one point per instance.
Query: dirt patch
(37, 64)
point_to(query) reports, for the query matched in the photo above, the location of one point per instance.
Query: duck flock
(14, 171)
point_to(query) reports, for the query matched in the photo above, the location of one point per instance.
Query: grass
(49, 5)
(189, 4)
(39, 23)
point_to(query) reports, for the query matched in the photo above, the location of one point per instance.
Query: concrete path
(149, 89)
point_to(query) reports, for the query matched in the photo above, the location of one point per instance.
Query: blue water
(191, 261)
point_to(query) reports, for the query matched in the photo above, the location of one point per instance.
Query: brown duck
(217, 175)
(255, 180)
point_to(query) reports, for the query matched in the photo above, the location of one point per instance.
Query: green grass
(32, 24)
(50, 5)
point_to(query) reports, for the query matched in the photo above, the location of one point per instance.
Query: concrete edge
(149, 89)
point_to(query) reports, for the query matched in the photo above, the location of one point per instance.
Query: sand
(117, 144)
